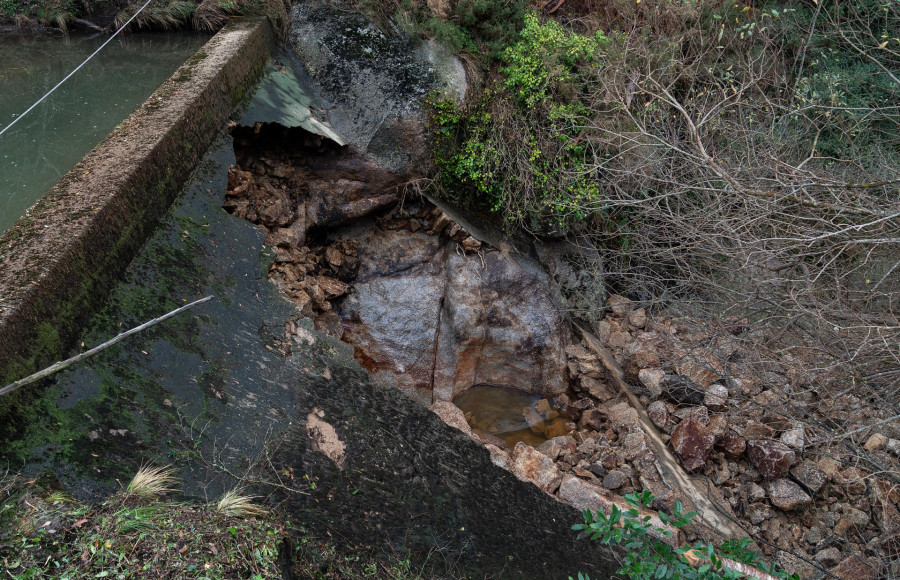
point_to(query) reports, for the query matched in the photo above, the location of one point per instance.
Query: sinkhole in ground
(433, 312)
(429, 309)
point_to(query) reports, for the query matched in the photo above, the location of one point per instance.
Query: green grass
(44, 533)
(159, 15)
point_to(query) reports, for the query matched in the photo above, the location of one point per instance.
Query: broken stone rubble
(691, 400)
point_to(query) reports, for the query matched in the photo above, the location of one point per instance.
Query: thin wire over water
(68, 76)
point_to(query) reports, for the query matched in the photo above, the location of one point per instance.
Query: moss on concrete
(64, 257)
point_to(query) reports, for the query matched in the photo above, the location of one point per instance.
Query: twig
(56, 367)
(89, 24)
(697, 559)
(872, 426)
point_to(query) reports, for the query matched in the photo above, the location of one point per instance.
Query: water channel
(52, 138)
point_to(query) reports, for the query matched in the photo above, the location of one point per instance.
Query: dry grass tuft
(61, 19)
(151, 481)
(160, 15)
(233, 504)
(210, 16)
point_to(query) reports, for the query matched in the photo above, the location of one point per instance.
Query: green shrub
(517, 150)
(647, 557)
(491, 24)
(547, 61)
(8, 7)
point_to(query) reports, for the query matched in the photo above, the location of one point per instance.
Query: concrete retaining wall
(58, 262)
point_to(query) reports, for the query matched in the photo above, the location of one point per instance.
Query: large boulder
(407, 479)
(433, 322)
(376, 80)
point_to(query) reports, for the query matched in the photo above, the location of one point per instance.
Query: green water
(38, 150)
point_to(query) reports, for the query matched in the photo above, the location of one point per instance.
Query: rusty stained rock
(619, 305)
(595, 388)
(732, 443)
(471, 245)
(623, 418)
(453, 416)
(809, 476)
(855, 568)
(757, 430)
(434, 322)
(334, 257)
(692, 441)
(640, 354)
(701, 367)
(331, 287)
(771, 458)
(528, 464)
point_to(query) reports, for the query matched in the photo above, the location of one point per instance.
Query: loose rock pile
(769, 439)
(807, 501)
(316, 276)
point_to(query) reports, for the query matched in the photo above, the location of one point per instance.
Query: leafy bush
(547, 60)
(652, 559)
(517, 150)
(491, 24)
(8, 7)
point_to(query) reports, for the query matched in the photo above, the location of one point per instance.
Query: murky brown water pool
(511, 414)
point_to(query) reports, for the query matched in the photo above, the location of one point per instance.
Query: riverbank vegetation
(737, 161)
(106, 15)
(142, 530)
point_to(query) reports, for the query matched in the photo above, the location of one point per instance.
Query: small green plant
(647, 557)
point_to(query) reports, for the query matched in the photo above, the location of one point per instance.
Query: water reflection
(511, 414)
(52, 138)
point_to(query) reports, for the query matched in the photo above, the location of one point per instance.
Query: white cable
(121, 28)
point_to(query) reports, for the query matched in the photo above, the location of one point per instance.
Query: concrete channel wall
(58, 262)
